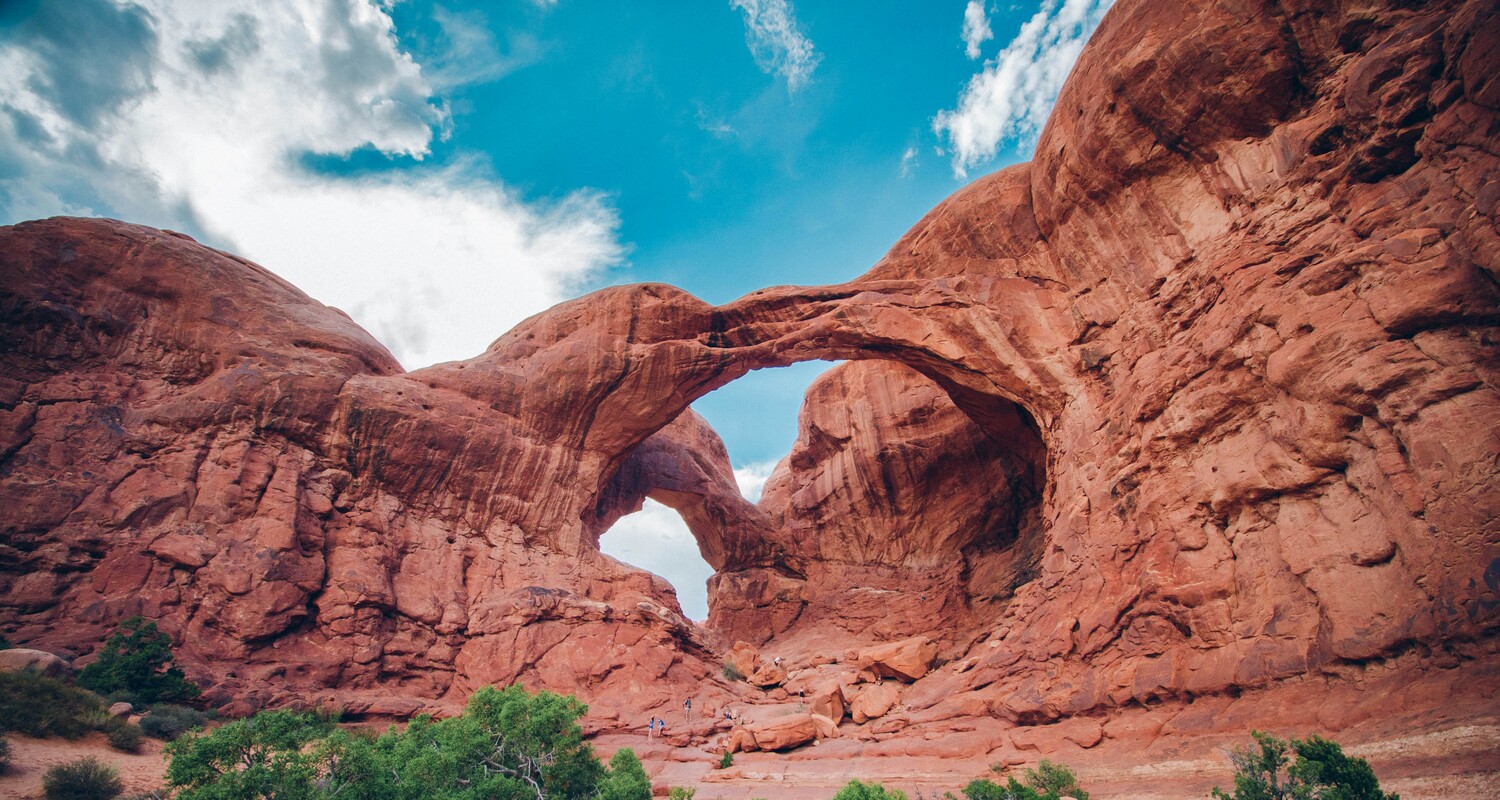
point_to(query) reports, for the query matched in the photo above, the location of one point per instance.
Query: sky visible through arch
(442, 170)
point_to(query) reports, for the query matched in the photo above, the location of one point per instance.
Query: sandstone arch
(1247, 291)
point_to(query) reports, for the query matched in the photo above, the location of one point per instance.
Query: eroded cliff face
(1200, 401)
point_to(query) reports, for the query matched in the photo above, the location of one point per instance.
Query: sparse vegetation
(127, 738)
(1300, 769)
(726, 760)
(507, 744)
(84, 779)
(167, 722)
(1048, 781)
(681, 793)
(137, 658)
(855, 790)
(732, 673)
(38, 705)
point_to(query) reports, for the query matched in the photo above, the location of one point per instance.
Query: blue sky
(441, 170)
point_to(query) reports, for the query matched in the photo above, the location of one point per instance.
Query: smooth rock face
(1201, 402)
(15, 659)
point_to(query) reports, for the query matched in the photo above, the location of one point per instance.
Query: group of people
(658, 725)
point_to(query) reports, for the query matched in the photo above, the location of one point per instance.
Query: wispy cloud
(909, 161)
(976, 28)
(189, 115)
(658, 541)
(1010, 99)
(776, 42)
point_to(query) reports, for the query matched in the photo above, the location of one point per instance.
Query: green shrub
(726, 760)
(167, 722)
(626, 779)
(37, 705)
(854, 790)
(138, 659)
(507, 744)
(1048, 781)
(127, 738)
(84, 779)
(4, 755)
(732, 674)
(1299, 769)
(124, 696)
(681, 793)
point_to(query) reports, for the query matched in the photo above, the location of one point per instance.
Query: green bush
(138, 659)
(681, 793)
(507, 744)
(854, 790)
(84, 779)
(4, 755)
(1048, 781)
(38, 705)
(167, 722)
(1300, 769)
(732, 674)
(127, 738)
(726, 760)
(626, 780)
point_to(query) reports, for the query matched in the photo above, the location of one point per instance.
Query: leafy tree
(137, 658)
(854, 790)
(262, 756)
(1310, 769)
(626, 780)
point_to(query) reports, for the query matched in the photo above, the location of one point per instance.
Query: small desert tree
(1300, 769)
(138, 659)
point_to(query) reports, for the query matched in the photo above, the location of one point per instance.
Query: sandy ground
(29, 758)
(1458, 763)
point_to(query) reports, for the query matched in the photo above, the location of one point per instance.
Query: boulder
(743, 658)
(121, 710)
(19, 658)
(784, 732)
(828, 700)
(874, 701)
(768, 676)
(906, 660)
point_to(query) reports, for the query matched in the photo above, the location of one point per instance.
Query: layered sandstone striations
(1202, 401)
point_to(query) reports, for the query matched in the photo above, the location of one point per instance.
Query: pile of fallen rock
(865, 685)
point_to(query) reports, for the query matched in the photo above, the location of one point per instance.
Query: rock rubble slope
(1201, 401)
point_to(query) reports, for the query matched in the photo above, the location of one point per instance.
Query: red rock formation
(1200, 402)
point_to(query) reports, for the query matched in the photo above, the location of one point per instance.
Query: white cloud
(658, 541)
(752, 478)
(909, 161)
(1012, 96)
(776, 42)
(198, 115)
(976, 28)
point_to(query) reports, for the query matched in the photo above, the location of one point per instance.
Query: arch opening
(657, 540)
(897, 512)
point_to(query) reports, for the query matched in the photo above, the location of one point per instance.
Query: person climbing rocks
(687, 706)
(776, 661)
(651, 729)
